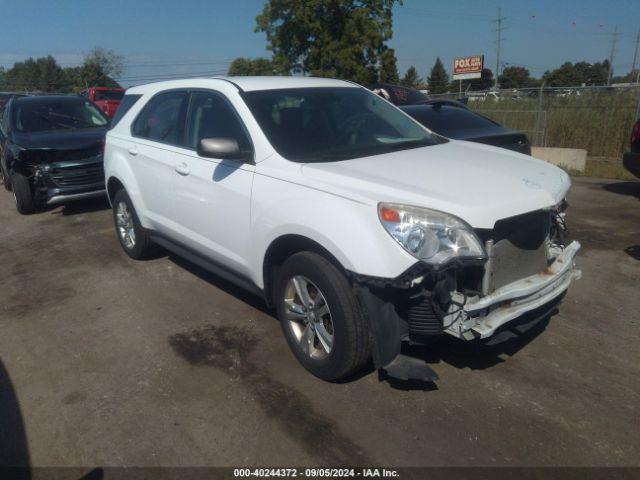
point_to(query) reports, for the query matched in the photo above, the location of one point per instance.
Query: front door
(214, 195)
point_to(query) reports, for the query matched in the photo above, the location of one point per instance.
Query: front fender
(348, 229)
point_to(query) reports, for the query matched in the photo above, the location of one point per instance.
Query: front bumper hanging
(384, 303)
(480, 317)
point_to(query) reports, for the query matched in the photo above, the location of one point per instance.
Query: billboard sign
(468, 67)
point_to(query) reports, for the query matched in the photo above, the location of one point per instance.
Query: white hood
(477, 183)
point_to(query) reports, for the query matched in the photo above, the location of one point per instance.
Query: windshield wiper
(52, 121)
(409, 144)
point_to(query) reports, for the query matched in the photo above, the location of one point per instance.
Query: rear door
(158, 136)
(213, 196)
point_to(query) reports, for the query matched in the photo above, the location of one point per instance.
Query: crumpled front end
(528, 269)
(60, 175)
(480, 316)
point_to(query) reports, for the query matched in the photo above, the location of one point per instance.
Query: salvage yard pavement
(107, 361)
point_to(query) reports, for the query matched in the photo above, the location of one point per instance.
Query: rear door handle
(133, 151)
(183, 169)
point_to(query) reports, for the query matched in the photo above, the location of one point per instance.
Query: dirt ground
(107, 361)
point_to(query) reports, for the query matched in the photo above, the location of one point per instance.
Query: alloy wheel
(124, 223)
(309, 318)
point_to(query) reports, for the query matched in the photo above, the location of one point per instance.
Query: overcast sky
(202, 36)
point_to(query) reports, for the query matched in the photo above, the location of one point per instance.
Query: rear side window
(161, 119)
(108, 95)
(445, 119)
(211, 116)
(127, 102)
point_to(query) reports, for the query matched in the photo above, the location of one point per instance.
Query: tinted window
(446, 119)
(325, 124)
(210, 116)
(40, 114)
(160, 118)
(108, 95)
(408, 96)
(127, 102)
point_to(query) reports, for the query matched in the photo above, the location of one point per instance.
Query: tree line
(347, 39)
(99, 68)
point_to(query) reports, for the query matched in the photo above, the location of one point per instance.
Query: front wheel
(321, 318)
(22, 194)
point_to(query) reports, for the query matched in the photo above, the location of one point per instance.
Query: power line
(614, 40)
(498, 21)
(635, 57)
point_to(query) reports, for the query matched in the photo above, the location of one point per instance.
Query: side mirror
(222, 147)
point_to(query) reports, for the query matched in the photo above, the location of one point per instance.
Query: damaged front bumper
(64, 181)
(480, 317)
(423, 303)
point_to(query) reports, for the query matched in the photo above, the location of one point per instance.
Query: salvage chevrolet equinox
(362, 228)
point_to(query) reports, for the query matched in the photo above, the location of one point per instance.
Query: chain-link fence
(597, 119)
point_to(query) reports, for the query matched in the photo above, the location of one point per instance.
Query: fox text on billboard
(468, 67)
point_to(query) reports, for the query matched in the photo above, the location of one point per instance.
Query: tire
(133, 238)
(342, 322)
(22, 194)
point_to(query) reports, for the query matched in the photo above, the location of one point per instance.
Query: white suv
(361, 227)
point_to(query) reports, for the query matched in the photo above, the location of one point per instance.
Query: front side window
(40, 114)
(211, 116)
(160, 120)
(329, 124)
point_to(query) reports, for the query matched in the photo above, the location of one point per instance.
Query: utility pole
(498, 21)
(614, 40)
(635, 57)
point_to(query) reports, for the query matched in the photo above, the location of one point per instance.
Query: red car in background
(108, 99)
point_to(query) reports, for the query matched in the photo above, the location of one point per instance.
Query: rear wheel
(22, 194)
(321, 318)
(133, 238)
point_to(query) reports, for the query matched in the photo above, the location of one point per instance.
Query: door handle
(182, 169)
(133, 151)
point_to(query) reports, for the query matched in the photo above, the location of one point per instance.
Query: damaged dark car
(52, 150)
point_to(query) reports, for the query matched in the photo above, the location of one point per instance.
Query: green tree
(388, 67)
(99, 68)
(411, 78)
(42, 74)
(328, 38)
(515, 77)
(438, 78)
(248, 66)
(565, 76)
(45, 75)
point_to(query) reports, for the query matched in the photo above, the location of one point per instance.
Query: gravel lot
(107, 361)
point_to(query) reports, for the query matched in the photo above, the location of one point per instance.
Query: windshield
(325, 124)
(46, 114)
(108, 95)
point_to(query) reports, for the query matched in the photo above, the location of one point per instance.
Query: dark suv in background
(51, 150)
(452, 118)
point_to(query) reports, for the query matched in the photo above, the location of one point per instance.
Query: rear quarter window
(445, 119)
(126, 103)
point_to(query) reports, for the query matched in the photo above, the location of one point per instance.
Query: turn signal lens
(389, 215)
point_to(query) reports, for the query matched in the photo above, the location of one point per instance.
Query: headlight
(432, 236)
